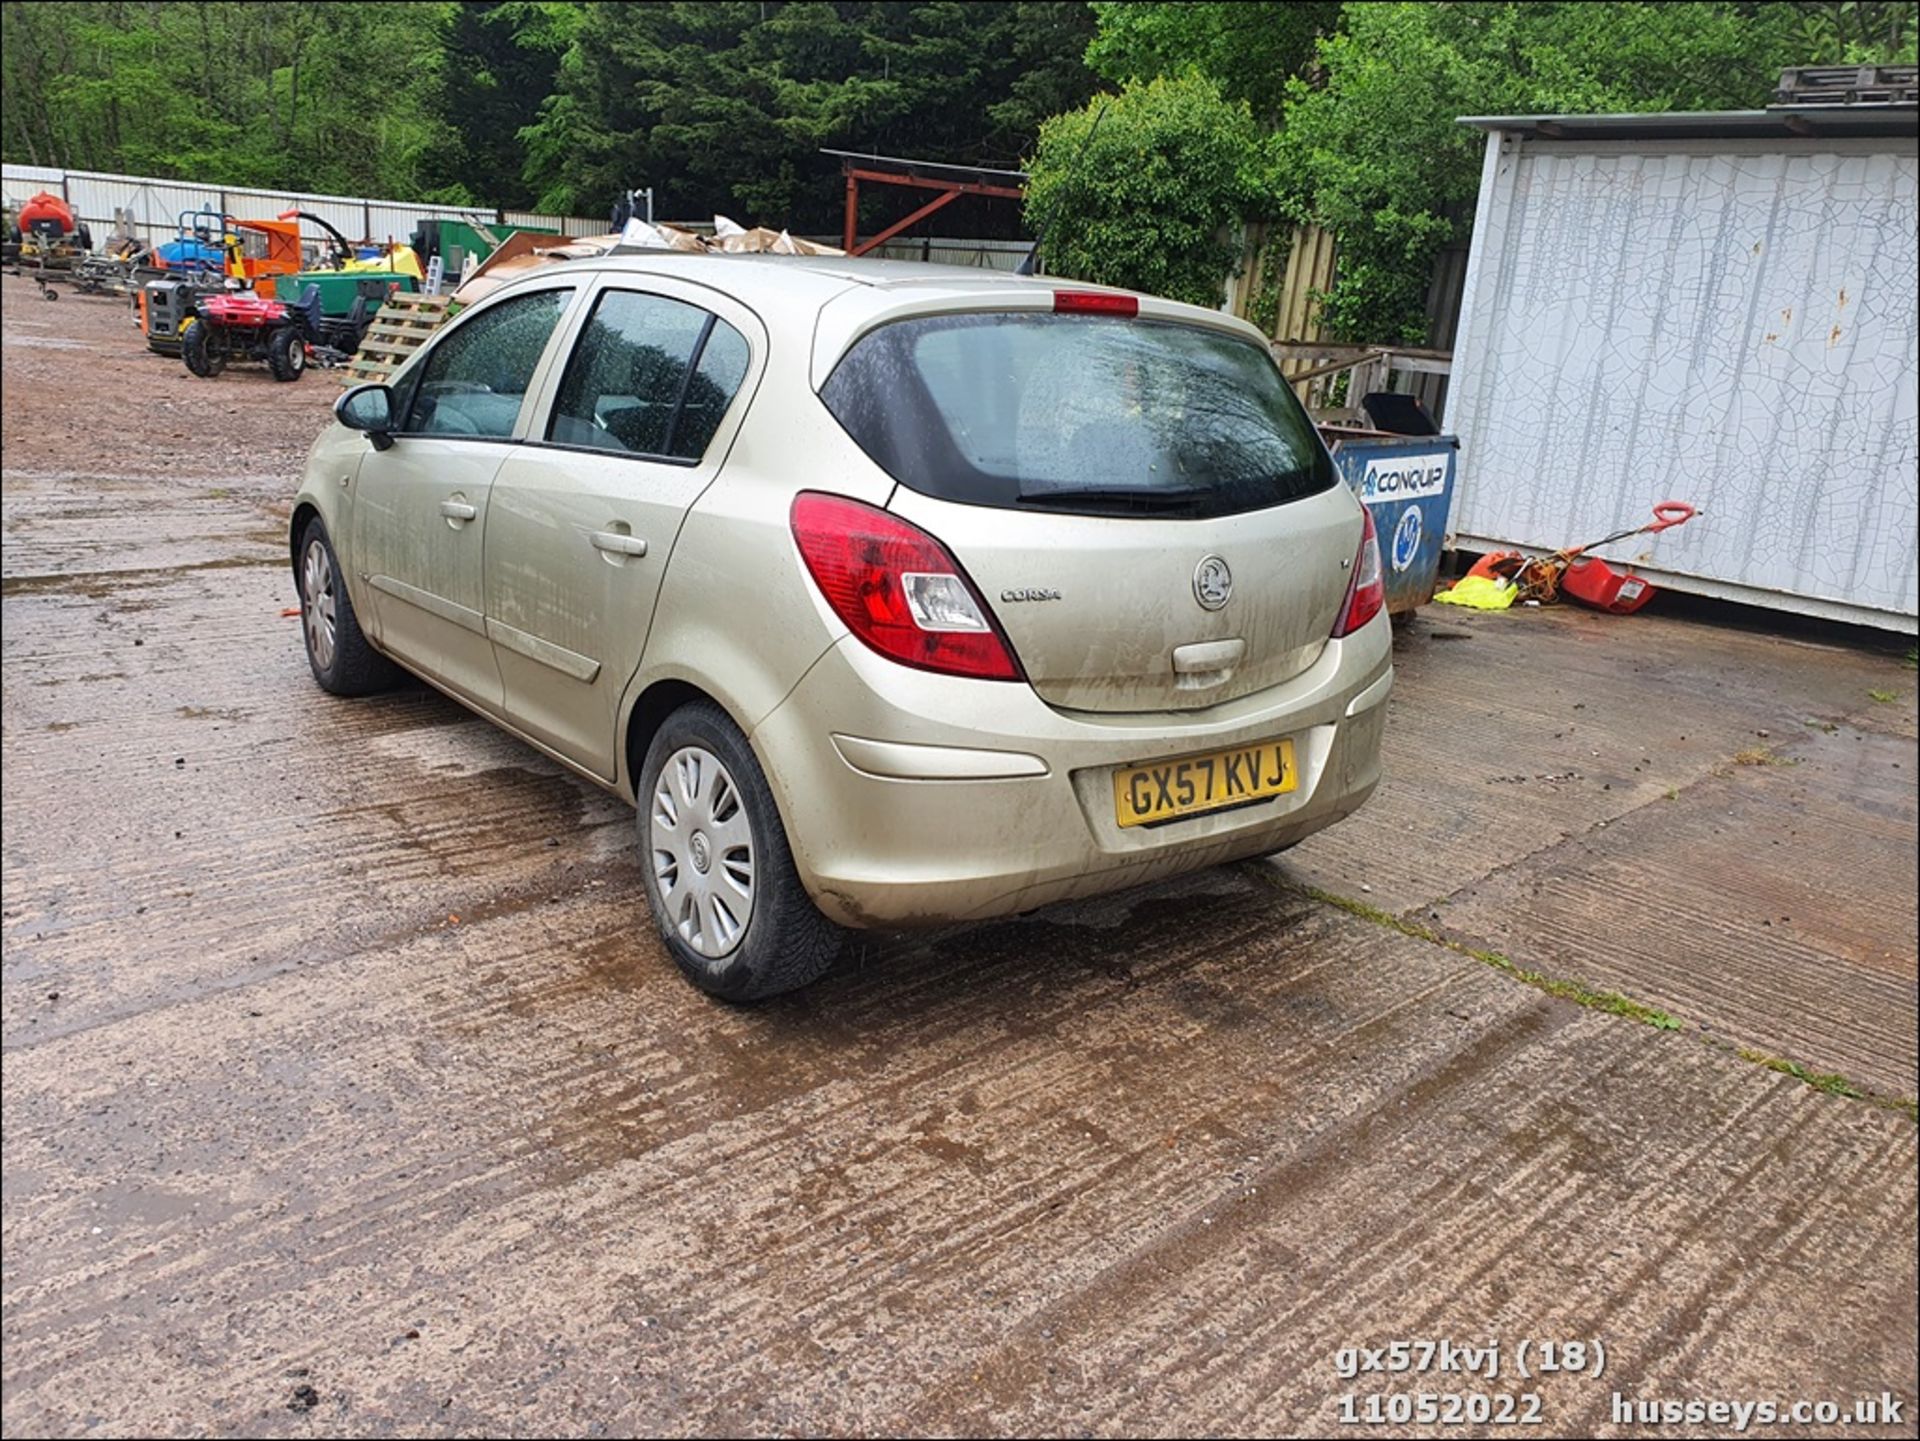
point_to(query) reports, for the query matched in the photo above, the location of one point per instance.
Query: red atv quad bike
(226, 328)
(230, 327)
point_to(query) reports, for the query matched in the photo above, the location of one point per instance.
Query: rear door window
(473, 381)
(649, 376)
(1082, 413)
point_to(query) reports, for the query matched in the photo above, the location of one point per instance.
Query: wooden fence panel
(1309, 259)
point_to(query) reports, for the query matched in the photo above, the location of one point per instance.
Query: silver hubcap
(316, 584)
(702, 852)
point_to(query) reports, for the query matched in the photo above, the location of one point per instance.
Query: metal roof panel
(1785, 122)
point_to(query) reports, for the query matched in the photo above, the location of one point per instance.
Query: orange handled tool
(1666, 515)
(1539, 578)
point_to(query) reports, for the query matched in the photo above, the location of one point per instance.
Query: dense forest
(552, 106)
(1341, 114)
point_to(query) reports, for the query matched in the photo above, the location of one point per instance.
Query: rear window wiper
(1138, 497)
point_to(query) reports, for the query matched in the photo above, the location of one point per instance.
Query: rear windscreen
(1078, 413)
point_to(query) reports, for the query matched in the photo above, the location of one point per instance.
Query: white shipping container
(1710, 318)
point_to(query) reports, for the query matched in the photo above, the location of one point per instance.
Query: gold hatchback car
(890, 594)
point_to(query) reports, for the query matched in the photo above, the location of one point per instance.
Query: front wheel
(197, 349)
(719, 873)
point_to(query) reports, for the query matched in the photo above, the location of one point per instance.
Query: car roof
(749, 276)
(855, 269)
(838, 297)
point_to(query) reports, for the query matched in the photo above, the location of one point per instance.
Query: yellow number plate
(1192, 784)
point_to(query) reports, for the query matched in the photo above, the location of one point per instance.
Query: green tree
(725, 106)
(1249, 47)
(678, 96)
(1153, 198)
(282, 93)
(1858, 32)
(498, 63)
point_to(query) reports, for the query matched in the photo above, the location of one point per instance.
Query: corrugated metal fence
(157, 204)
(565, 224)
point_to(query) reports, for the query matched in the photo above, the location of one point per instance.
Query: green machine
(455, 240)
(340, 288)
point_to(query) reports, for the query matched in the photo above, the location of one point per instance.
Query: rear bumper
(917, 799)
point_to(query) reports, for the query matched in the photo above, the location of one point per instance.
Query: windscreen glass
(1083, 413)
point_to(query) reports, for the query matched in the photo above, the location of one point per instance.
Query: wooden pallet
(1848, 85)
(400, 327)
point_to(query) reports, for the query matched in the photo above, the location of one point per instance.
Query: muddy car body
(892, 594)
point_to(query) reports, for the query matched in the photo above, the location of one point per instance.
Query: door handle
(616, 544)
(457, 510)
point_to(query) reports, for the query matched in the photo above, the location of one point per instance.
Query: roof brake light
(1095, 302)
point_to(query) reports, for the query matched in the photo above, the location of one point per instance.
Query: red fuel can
(1593, 582)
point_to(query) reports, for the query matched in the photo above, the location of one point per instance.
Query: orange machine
(262, 249)
(47, 213)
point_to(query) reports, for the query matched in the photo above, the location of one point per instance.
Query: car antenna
(1026, 266)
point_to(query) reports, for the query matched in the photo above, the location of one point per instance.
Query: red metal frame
(950, 190)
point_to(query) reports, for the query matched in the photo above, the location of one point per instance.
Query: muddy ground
(347, 1090)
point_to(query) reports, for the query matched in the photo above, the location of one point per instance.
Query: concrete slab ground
(1716, 821)
(346, 1089)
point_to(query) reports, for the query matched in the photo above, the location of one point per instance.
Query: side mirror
(368, 408)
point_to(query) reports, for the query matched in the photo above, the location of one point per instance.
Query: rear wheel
(197, 349)
(286, 353)
(342, 660)
(719, 874)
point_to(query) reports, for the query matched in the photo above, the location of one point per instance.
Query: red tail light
(896, 588)
(1367, 592)
(1095, 302)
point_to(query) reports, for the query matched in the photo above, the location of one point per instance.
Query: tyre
(286, 353)
(198, 351)
(343, 661)
(719, 874)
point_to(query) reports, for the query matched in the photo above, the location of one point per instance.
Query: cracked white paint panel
(1731, 323)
